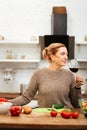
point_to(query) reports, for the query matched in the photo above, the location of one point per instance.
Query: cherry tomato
(53, 113)
(66, 114)
(75, 115)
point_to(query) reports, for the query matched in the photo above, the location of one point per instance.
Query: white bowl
(4, 107)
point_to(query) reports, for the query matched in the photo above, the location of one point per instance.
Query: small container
(8, 75)
(23, 57)
(1, 37)
(85, 38)
(9, 55)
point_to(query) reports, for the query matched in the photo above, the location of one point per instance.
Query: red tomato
(3, 100)
(66, 114)
(15, 110)
(53, 113)
(75, 115)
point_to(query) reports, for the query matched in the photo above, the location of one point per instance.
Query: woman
(55, 84)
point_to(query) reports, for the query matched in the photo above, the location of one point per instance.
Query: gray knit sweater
(54, 87)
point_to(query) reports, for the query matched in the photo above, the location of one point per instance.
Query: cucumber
(58, 106)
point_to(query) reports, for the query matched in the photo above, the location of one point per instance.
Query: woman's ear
(52, 57)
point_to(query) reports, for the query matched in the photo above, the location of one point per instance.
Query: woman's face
(60, 58)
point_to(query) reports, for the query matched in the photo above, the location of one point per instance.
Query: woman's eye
(63, 53)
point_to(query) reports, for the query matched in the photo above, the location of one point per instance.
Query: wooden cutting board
(49, 109)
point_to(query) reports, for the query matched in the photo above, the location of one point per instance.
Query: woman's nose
(66, 57)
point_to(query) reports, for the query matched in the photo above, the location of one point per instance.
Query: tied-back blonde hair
(51, 49)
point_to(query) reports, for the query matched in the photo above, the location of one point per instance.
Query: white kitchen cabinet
(19, 54)
(81, 52)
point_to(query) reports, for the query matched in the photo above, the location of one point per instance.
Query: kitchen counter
(9, 95)
(13, 95)
(42, 121)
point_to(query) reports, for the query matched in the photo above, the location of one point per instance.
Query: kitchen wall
(22, 19)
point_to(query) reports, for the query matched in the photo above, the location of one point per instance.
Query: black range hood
(59, 19)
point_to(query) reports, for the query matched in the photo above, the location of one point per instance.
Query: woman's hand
(79, 81)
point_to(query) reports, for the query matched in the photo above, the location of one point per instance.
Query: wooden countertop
(42, 121)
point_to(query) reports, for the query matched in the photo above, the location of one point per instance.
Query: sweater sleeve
(29, 93)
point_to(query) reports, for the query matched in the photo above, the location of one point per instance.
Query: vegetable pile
(65, 113)
(84, 108)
